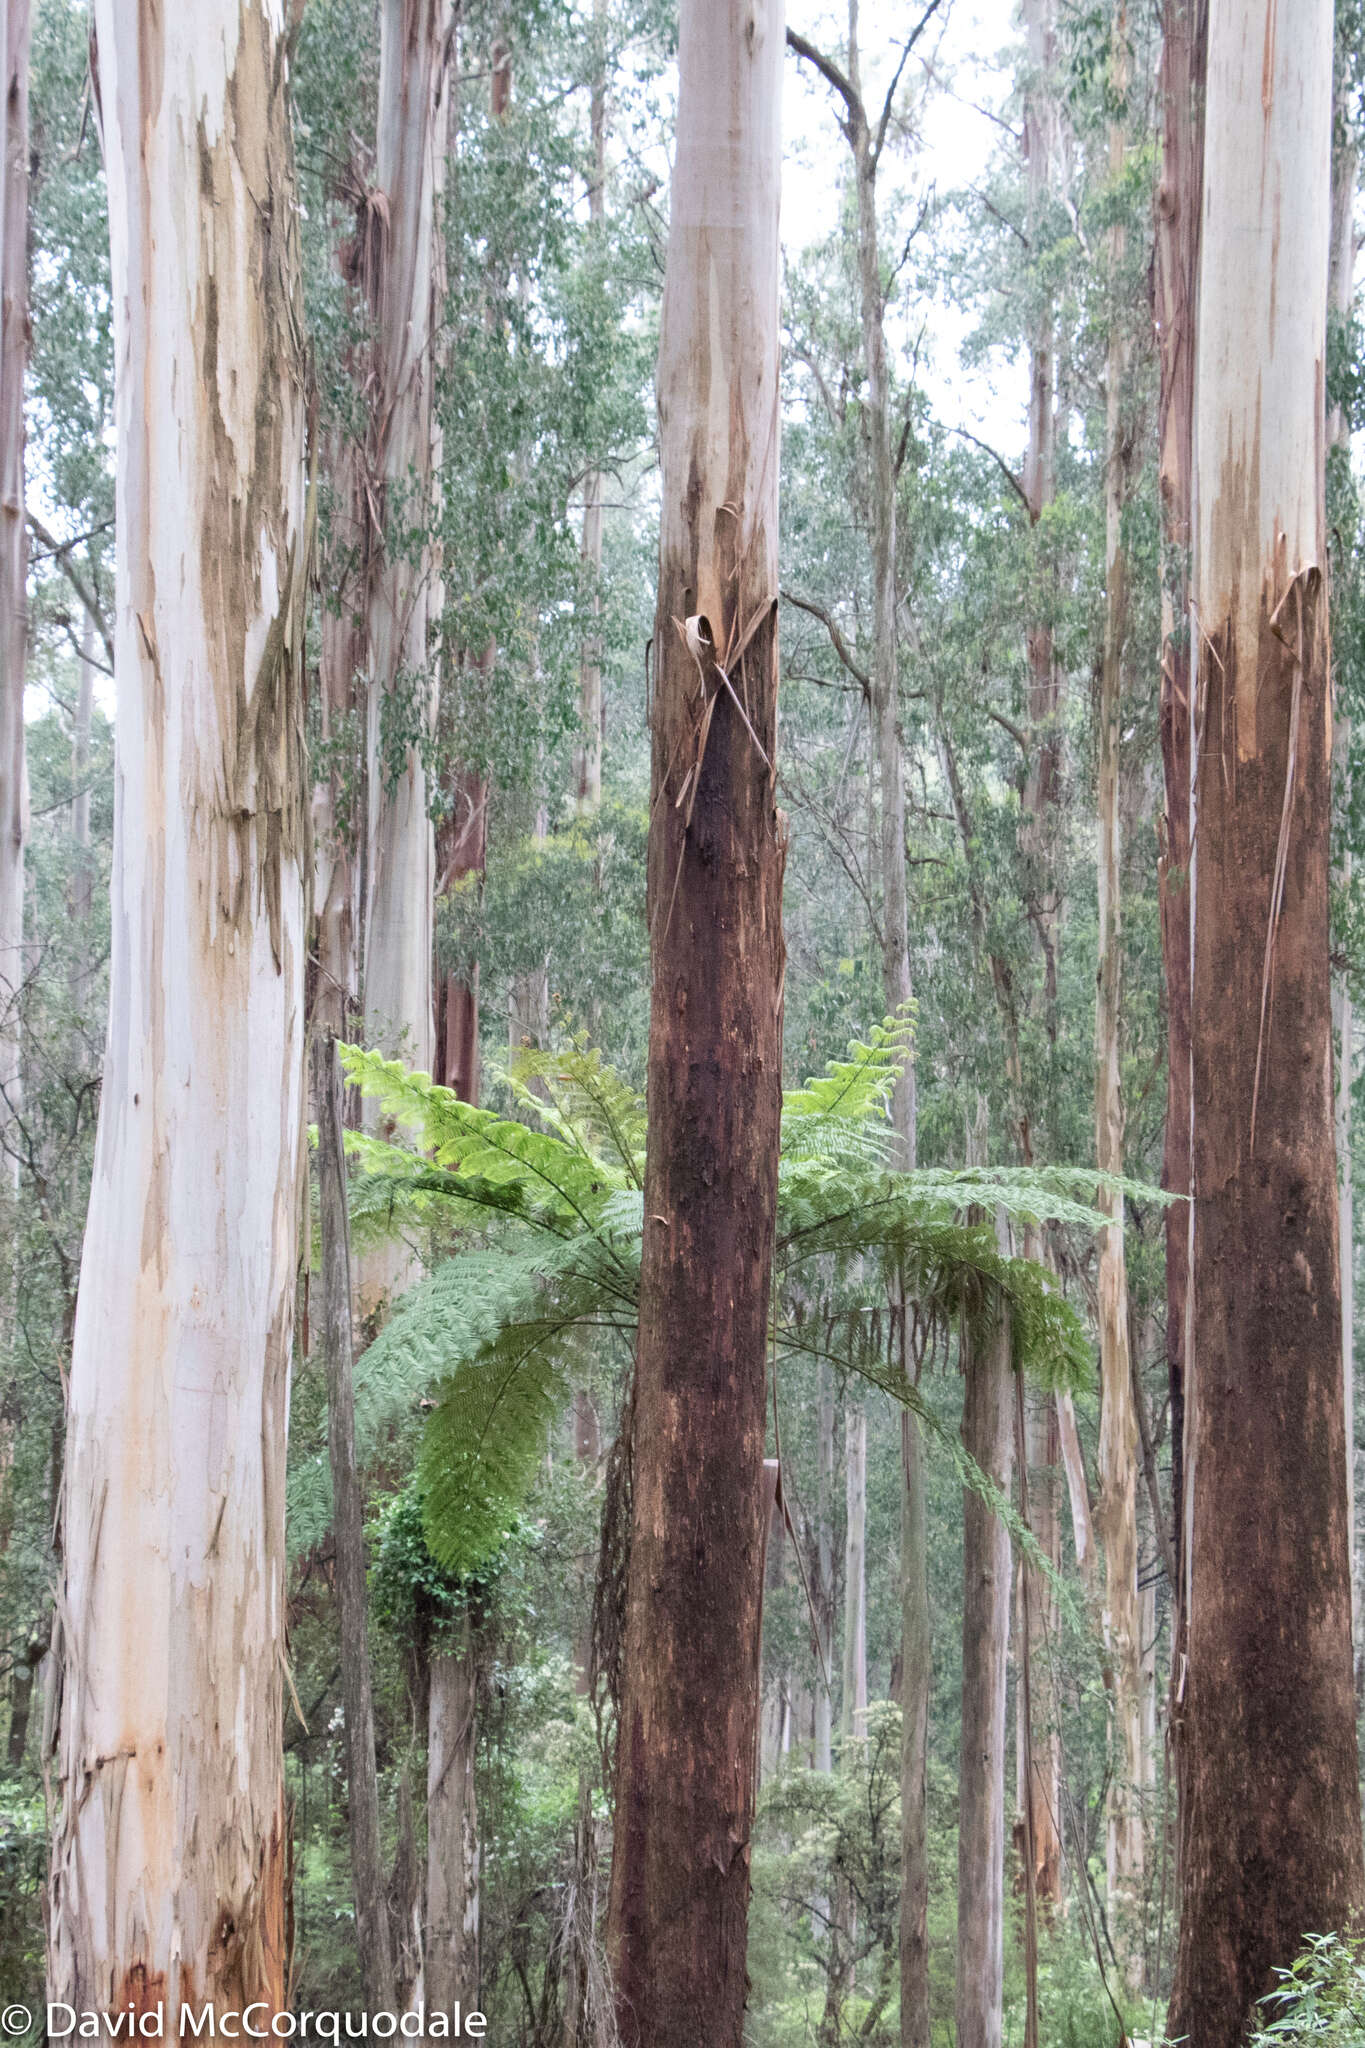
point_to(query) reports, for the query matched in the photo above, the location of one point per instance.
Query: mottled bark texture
(168, 1861)
(1340, 299)
(1271, 1840)
(689, 1707)
(14, 24)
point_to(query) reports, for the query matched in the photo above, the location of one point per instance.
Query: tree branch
(1010, 478)
(930, 11)
(832, 75)
(837, 640)
(1020, 738)
(60, 552)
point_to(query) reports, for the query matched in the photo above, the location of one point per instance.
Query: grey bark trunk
(988, 1437)
(452, 1921)
(362, 1784)
(13, 548)
(853, 1717)
(824, 1538)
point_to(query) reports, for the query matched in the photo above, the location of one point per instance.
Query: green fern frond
(585, 1101)
(859, 1087)
(486, 1436)
(951, 1271)
(883, 1373)
(453, 1318)
(480, 1146)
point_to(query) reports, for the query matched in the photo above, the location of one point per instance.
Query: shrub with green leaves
(1320, 1998)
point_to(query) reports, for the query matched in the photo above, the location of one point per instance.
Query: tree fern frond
(589, 1103)
(860, 1086)
(882, 1372)
(484, 1440)
(455, 1316)
(392, 1173)
(479, 1145)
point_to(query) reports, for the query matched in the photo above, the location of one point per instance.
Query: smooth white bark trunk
(404, 606)
(14, 26)
(168, 1860)
(854, 1709)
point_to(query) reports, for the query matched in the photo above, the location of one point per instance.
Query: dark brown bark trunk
(1271, 1834)
(689, 1708)
(1271, 1831)
(362, 1785)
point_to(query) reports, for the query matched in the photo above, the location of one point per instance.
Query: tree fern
(496, 1332)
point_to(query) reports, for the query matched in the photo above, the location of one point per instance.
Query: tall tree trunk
(1118, 1416)
(407, 277)
(1038, 1749)
(13, 550)
(450, 1678)
(1340, 298)
(341, 668)
(988, 1437)
(348, 1512)
(684, 1809)
(588, 754)
(81, 888)
(853, 1714)
(452, 1925)
(1272, 1840)
(169, 1852)
(916, 1674)
(1038, 846)
(1040, 822)
(916, 1647)
(1175, 273)
(462, 846)
(824, 1540)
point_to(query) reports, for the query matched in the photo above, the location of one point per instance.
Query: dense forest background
(550, 236)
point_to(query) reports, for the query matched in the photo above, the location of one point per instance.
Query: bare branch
(60, 552)
(832, 75)
(837, 640)
(930, 11)
(998, 459)
(993, 210)
(1008, 725)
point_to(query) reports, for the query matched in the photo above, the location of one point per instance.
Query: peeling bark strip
(689, 1707)
(168, 1858)
(1271, 1839)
